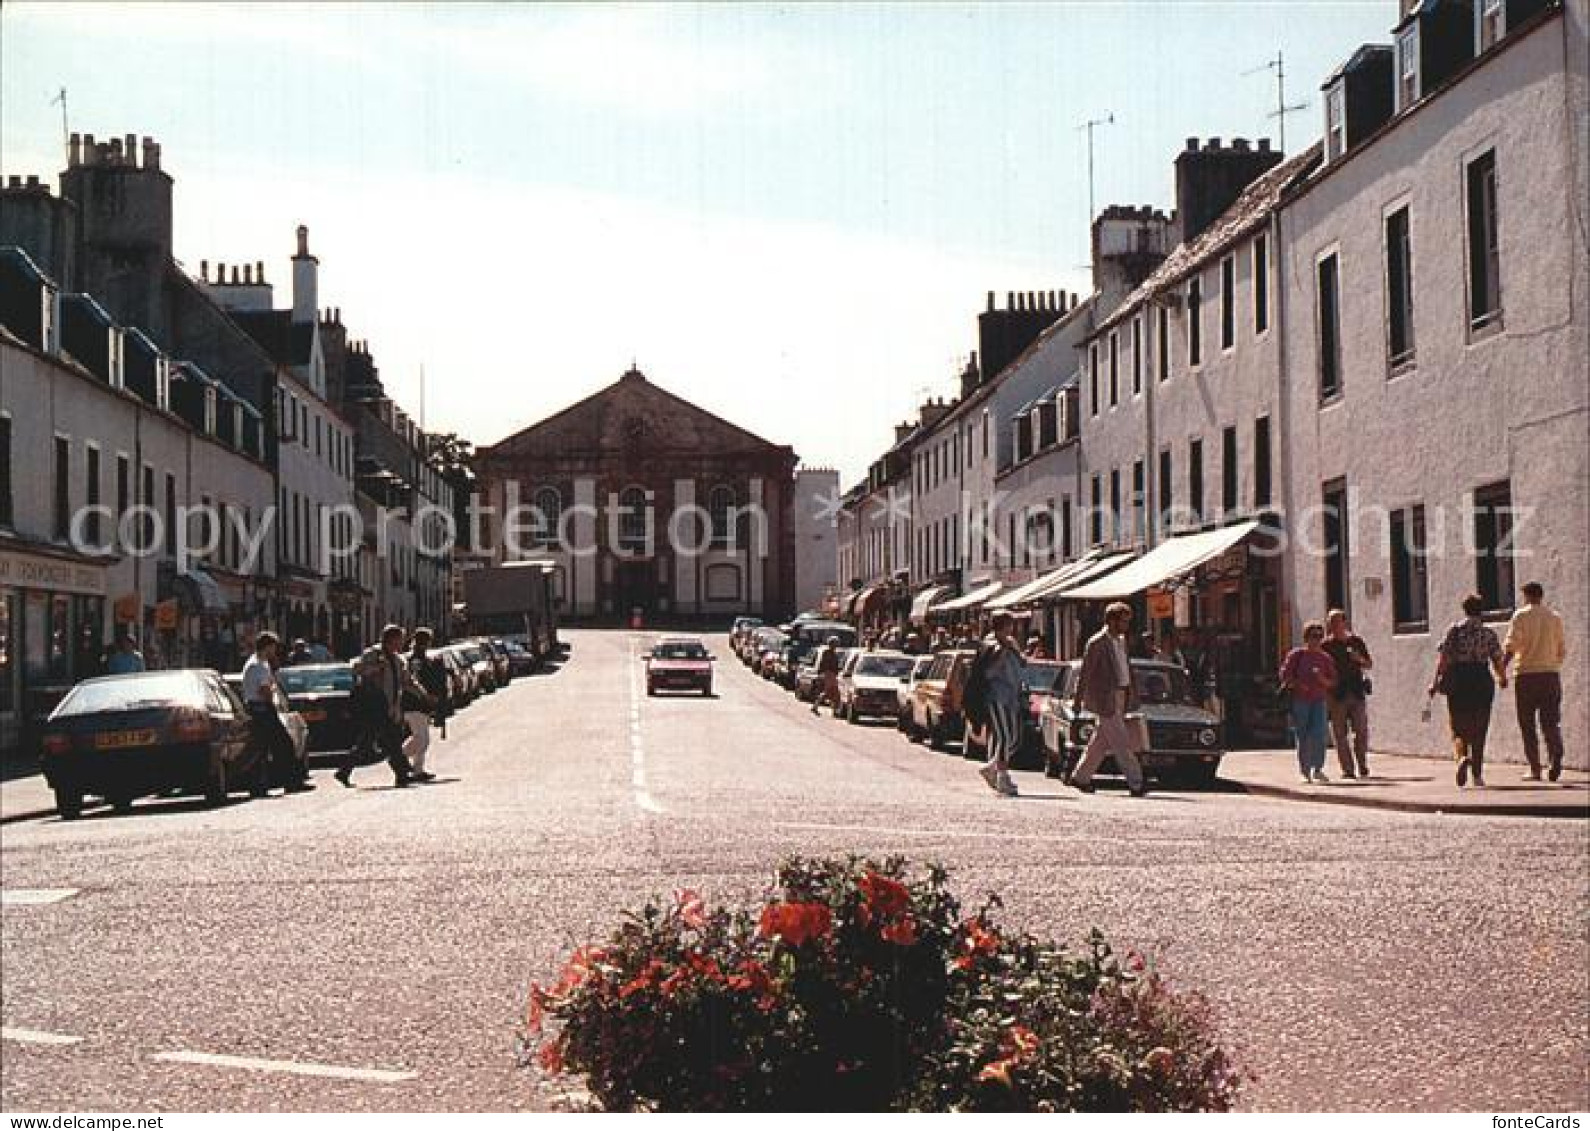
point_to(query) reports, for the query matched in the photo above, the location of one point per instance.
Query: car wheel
(1198, 775)
(215, 785)
(935, 738)
(851, 717)
(68, 803)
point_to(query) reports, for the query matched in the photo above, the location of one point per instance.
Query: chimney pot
(234, 274)
(131, 143)
(151, 154)
(1192, 145)
(1212, 145)
(74, 150)
(1010, 300)
(204, 270)
(115, 151)
(303, 240)
(33, 180)
(259, 270)
(1264, 145)
(1240, 144)
(14, 181)
(990, 300)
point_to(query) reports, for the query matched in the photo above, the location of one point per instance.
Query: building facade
(648, 506)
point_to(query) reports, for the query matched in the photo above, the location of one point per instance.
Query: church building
(645, 502)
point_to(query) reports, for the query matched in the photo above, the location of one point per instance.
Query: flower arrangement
(858, 985)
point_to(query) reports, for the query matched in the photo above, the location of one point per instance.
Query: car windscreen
(1162, 685)
(316, 680)
(890, 667)
(1045, 677)
(160, 689)
(679, 651)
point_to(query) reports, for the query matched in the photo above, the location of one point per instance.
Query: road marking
(33, 897)
(37, 1036)
(637, 744)
(971, 834)
(294, 1067)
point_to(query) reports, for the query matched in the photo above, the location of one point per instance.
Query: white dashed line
(33, 897)
(293, 1067)
(637, 744)
(37, 1037)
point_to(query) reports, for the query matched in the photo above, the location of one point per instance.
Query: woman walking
(1469, 654)
(1309, 674)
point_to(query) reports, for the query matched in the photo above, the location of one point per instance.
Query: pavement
(371, 949)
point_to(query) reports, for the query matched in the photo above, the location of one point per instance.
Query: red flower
(901, 932)
(551, 1057)
(884, 897)
(537, 1009)
(692, 909)
(1023, 1041)
(795, 923)
(642, 981)
(997, 1072)
(978, 939)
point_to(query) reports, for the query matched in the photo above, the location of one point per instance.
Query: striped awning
(924, 600)
(968, 601)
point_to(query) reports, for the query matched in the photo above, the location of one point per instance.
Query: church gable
(630, 413)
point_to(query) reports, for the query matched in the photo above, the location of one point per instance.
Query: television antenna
(66, 135)
(1090, 125)
(1282, 107)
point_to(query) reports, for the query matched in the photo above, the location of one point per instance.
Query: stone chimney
(1002, 335)
(306, 280)
(1210, 177)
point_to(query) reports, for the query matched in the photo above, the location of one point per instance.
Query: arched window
(548, 516)
(632, 523)
(720, 510)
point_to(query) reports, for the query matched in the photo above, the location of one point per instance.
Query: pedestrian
(1144, 647)
(380, 678)
(299, 654)
(1537, 648)
(1468, 657)
(827, 676)
(274, 748)
(125, 659)
(1037, 648)
(1105, 688)
(1348, 704)
(991, 702)
(418, 710)
(1309, 674)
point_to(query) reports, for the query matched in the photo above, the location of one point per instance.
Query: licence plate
(119, 739)
(314, 716)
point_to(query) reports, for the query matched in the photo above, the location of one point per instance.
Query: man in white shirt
(276, 754)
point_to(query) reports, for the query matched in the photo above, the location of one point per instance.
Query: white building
(105, 445)
(816, 552)
(1436, 346)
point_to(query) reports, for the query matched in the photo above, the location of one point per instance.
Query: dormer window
(1335, 122)
(209, 411)
(1408, 68)
(1490, 24)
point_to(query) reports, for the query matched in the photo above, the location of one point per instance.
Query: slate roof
(1248, 213)
(287, 342)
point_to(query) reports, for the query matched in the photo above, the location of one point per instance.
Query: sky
(790, 214)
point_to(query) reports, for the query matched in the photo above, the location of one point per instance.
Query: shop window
(1410, 582)
(1493, 547)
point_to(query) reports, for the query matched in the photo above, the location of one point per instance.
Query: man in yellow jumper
(1535, 645)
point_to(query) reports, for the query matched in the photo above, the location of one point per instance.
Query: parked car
(679, 663)
(460, 675)
(743, 628)
(936, 700)
(1184, 739)
(806, 678)
(501, 665)
(869, 685)
(293, 722)
(122, 737)
(805, 635)
(902, 709)
(1039, 680)
(521, 660)
(481, 664)
(323, 695)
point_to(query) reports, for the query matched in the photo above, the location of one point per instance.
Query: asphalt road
(1358, 959)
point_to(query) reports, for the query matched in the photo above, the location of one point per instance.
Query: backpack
(974, 696)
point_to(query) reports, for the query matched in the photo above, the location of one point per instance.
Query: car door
(232, 730)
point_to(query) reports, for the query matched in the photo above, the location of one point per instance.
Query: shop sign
(1161, 605)
(166, 614)
(35, 571)
(128, 608)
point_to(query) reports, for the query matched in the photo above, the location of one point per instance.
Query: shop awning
(1165, 562)
(856, 604)
(924, 600)
(1045, 582)
(870, 598)
(203, 591)
(1083, 571)
(972, 600)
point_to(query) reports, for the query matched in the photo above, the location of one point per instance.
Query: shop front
(52, 633)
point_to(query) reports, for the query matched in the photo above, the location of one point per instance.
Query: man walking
(126, 659)
(1536, 645)
(276, 755)
(827, 676)
(417, 710)
(992, 700)
(1348, 703)
(381, 679)
(1105, 689)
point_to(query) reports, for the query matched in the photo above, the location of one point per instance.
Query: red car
(679, 664)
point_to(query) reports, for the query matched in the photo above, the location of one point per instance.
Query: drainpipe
(1282, 443)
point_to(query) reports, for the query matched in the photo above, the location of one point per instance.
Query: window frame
(1263, 463)
(1406, 70)
(1482, 323)
(1228, 303)
(1398, 360)
(1335, 121)
(1328, 377)
(1409, 570)
(1195, 336)
(1500, 587)
(1260, 263)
